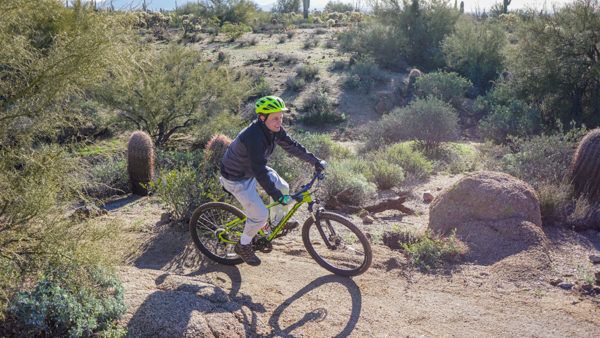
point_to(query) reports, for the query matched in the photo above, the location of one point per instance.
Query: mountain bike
(332, 240)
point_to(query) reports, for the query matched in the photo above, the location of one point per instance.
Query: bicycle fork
(319, 225)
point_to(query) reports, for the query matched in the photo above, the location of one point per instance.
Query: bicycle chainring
(263, 245)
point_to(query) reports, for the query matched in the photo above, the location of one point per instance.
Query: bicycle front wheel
(337, 244)
(216, 228)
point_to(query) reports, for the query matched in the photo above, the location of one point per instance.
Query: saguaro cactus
(505, 4)
(140, 162)
(585, 167)
(305, 7)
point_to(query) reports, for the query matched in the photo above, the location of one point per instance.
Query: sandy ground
(173, 291)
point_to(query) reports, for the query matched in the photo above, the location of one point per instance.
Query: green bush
(234, 31)
(474, 50)
(427, 121)
(308, 73)
(552, 67)
(57, 307)
(448, 87)
(323, 146)
(295, 84)
(386, 175)
(345, 175)
(184, 189)
(411, 160)
(364, 74)
(458, 158)
(431, 251)
(107, 177)
(403, 34)
(226, 123)
(319, 109)
(541, 159)
(311, 42)
(338, 6)
(262, 87)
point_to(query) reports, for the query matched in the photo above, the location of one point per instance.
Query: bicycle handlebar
(298, 195)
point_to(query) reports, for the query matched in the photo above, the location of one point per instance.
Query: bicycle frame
(302, 197)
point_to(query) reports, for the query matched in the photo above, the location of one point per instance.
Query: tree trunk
(337, 203)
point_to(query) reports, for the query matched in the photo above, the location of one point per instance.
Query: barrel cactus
(215, 149)
(140, 162)
(585, 167)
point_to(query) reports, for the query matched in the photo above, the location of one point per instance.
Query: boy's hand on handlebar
(320, 166)
(285, 199)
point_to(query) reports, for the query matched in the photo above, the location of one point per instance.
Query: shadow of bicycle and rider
(172, 311)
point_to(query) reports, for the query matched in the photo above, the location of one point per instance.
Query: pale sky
(470, 5)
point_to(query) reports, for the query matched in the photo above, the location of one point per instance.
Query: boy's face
(274, 121)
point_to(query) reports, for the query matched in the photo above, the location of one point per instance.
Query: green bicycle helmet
(269, 105)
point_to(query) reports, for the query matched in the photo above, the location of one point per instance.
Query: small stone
(595, 259)
(587, 287)
(596, 290)
(362, 213)
(555, 281)
(427, 197)
(368, 220)
(165, 218)
(565, 286)
(597, 275)
(438, 188)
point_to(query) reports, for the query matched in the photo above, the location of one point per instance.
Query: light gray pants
(254, 208)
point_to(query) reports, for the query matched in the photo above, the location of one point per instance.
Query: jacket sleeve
(294, 148)
(258, 164)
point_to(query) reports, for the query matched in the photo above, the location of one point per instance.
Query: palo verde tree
(556, 64)
(50, 56)
(174, 90)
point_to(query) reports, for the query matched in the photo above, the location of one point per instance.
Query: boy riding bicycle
(245, 163)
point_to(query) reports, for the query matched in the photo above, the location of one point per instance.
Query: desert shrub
(397, 237)
(311, 42)
(282, 39)
(330, 44)
(427, 121)
(386, 175)
(262, 87)
(448, 87)
(338, 6)
(107, 177)
(555, 201)
(345, 176)
(323, 146)
(184, 189)
(167, 160)
(307, 72)
(364, 74)
(59, 307)
(474, 50)
(411, 160)
(457, 158)
(539, 159)
(287, 6)
(338, 65)
(552, 67)
(295, 84)
(404, 34)
(284, 59)
(318, 108)
(234, 31)
(249, 41)
(431, 251)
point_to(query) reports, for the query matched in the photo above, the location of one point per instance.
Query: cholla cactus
(330, 23)
(585, 167)
(140, 162)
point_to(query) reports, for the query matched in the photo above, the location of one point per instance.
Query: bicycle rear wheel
(337, 244)
(216, 228)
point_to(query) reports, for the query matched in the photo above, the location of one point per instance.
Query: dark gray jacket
(247, 155)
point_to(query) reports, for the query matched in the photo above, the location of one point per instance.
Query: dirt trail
(172, 291)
